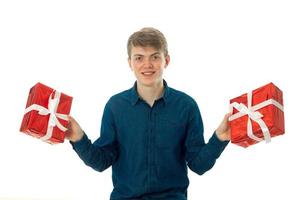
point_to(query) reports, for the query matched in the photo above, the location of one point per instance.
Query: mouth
(148, 73)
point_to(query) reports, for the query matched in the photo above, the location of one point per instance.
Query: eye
(138, 58)
(155, 57)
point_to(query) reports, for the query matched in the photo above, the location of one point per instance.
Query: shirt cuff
(80, 144)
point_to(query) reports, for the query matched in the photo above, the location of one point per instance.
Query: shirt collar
(135, 96)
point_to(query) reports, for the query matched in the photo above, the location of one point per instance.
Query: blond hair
(148, 37)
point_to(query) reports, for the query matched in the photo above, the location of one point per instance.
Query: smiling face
(148, 65)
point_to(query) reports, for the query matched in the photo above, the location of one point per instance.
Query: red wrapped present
(46, 114)
(257, 115)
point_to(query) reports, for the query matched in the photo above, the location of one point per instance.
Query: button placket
(152, 149)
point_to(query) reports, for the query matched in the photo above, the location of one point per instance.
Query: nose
(147, 63)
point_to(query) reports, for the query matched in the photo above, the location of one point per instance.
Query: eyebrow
(155, 53)
(135, 55)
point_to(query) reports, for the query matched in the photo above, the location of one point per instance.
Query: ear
(129, 63)
(167, 60)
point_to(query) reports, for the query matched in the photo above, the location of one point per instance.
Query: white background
(218, 49)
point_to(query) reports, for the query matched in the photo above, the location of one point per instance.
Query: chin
(147, 83)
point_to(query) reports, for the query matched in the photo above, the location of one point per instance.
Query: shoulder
(182, 103)
(180, 96)
(121, 98)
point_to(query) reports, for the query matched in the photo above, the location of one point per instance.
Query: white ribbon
(52, 108)
(253, 114)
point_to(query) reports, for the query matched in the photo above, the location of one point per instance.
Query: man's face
(148, 65)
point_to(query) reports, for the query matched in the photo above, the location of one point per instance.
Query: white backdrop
(219, 50)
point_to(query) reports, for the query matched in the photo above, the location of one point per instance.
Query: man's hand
(223, 131)
(74, 132)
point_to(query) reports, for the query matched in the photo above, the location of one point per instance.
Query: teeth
(148, 73)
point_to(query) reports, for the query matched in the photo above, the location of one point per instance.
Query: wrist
(77, 137)
(221, 136)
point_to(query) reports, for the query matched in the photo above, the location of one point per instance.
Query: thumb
(71, 122)
(226, 117)
(70, 118)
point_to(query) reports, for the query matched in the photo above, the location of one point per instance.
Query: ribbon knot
(254, 115)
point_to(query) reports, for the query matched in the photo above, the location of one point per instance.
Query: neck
(150, 93)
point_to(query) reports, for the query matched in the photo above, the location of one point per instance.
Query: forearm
(99, 158)
(204, 158)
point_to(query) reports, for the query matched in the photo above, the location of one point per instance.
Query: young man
(151, 132)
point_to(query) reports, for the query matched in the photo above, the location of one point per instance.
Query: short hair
(147, 37)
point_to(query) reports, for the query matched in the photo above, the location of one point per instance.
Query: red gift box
(46, 114)
(257, 115)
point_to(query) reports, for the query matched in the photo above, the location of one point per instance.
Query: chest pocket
(170, 132)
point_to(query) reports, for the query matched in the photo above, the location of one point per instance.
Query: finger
(70, 122)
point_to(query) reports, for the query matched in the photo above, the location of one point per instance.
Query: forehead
(139, 50)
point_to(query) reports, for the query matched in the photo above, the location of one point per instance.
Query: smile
(148, 73)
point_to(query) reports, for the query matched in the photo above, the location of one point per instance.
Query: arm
(201, 157)
(103, 152)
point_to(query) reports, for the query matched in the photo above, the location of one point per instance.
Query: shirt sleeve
(104, 151)
(201, 157)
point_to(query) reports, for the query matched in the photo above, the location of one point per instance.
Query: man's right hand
(74, 132)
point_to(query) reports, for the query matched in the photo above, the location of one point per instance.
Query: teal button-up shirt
(149, 148)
